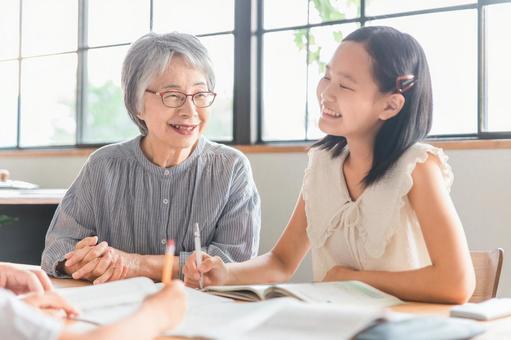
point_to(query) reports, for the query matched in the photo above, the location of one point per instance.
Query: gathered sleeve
(73, 221)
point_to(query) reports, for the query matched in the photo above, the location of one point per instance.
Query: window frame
(362, 19)
(248, 36)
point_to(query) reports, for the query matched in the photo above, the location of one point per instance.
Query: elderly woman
(131, 197)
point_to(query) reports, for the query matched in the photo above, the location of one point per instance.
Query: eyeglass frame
(162, 93)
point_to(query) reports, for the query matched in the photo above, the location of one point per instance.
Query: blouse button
(165, 201)
(166, 172)
(163, 241)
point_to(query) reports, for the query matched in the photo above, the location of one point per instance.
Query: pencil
(166, 274)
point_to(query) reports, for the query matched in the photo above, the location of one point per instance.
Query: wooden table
(23, 240)
(497, 329)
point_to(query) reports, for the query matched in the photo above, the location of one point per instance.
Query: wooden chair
(487, 266)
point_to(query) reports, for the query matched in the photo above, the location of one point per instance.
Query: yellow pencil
(166, 275)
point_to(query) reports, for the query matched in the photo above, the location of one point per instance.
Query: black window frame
(248, 69)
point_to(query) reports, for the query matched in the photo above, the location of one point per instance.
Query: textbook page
(283, 318)
(353, 293)
(109, 294)
(242, 292)
(108, 302)
(339, 292)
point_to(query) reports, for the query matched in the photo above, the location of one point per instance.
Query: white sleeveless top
(378, 231)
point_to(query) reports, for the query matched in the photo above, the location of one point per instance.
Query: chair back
(487, 267)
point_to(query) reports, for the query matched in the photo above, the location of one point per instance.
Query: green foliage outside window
(327, 12)
(107, 119)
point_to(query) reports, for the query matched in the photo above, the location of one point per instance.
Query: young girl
(375, 204)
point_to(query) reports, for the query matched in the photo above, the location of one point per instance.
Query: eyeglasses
(175, 99)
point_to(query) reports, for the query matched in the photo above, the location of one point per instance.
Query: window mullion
(244, 129)
(18, 120)
(482, 112)
(81, 76)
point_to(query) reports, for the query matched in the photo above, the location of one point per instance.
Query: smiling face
(350, 100)
(180, 127)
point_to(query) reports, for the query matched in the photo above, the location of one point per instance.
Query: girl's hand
(213, 269)
(50, 301)
(167, 307)
(340, 273)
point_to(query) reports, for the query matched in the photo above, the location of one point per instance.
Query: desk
(23, 240)
(31, 197)
(497, 329)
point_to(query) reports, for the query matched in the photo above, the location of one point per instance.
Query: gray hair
(149, 56)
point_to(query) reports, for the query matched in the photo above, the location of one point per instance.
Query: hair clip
(404, 83)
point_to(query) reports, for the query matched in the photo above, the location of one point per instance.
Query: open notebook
(346, 293)
(216, 317)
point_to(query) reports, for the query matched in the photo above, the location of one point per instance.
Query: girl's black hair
(394, 54)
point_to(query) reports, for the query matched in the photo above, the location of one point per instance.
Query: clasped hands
(98, 263)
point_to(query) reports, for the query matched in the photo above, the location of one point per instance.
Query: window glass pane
(48, 89)
(49, 26)
(284, 13)
(9, 28)
(105, 118)
(221, 52)
(9, 100)
(131, 21)
(193, 16)
(331, 10)
(450, 43)
(284, 85)
(323, 42)
(378, 7)
(498, 57)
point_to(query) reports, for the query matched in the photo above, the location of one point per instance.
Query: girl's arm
(450, 278)
(277, 265)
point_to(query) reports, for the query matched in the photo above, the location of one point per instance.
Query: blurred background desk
(22, 241)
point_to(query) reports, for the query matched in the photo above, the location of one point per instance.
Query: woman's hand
(213, 269)
(50, 301)
(24, 281)
(98, 263)
(167, 307)
(340, 273)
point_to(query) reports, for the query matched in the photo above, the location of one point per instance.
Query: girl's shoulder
(420, 153)
(383, 204)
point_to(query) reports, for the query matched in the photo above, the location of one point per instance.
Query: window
(60, 64)
(469, 70)
(61, 77)
(454, 76)
(498, 55)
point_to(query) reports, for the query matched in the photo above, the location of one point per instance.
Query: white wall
(481, 193)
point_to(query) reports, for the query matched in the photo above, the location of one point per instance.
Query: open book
(340, 292)
(220, 318)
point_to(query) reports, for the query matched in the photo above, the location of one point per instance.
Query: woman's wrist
(136, 263)
(151, 266)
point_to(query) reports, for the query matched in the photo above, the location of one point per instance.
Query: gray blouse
(136, 206)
